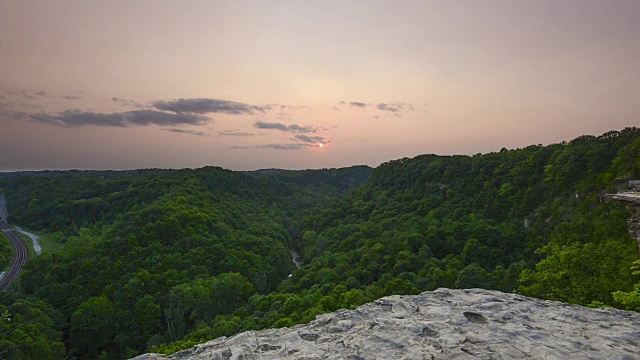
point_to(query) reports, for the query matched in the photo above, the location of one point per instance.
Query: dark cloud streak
(27, 94)
(313, 139)
(286, 146)
(191, 132)
(125, 102)
(277, 146)
(76, 118)
(204, 106)
(234, 133)
(283, 127)
(385, 107)
(395, 107)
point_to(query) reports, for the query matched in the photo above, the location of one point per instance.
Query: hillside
(160, 260)
(138, 247)
(328, 181)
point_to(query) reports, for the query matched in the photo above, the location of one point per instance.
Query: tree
(579, 273)
(24, 338)
(630, 300)
(93, 327)
(473, 276)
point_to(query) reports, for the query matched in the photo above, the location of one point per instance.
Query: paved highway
(19, 258)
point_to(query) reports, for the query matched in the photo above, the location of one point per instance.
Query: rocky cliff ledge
(632, 199)
(441, 324)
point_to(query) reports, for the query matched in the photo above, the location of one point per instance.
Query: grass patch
(47, 241)
(27, 242)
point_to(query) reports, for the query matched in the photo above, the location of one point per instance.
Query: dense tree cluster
(5, 251)
(23, 338)
(161, 260)
(151, 255)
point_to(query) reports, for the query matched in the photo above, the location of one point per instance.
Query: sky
(306, 84)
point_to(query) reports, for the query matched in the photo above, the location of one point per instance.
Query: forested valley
(159, 260)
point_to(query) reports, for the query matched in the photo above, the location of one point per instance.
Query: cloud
(234, 133)
(385, 107)
(70, 97)
(125, 102)
(394, 107)
(185, 131)
(203, 106)
(28, 94)
(313, 139)
(286, 146)
(17, 104)
(306, 142)
(15, 115)
(281, 106)
(76, 118)
(283, 127)
(297, 146)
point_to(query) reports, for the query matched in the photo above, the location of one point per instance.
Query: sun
(320, 145)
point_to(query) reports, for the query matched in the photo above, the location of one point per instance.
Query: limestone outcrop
(441, 324)
(632, 199)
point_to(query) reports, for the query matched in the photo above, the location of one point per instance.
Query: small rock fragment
(475, 317)
(309, 337)
(427, 331)
(266, 348)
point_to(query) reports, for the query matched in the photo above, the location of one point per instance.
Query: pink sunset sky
(306, 84)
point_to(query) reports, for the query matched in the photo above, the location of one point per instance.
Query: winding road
(19, 258)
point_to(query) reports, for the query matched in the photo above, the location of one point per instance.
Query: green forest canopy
(158, 260)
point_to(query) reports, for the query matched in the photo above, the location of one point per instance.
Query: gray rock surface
(632, 199)
(441, 324)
